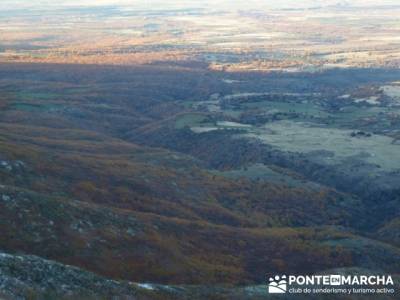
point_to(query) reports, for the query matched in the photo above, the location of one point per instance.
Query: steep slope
(152, 214)
(96, 173)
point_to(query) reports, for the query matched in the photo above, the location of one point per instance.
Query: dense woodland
(94, 173)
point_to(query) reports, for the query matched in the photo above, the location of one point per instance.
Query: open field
(309, 37)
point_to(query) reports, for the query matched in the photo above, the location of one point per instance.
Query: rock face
(31, 277)
(28, 277)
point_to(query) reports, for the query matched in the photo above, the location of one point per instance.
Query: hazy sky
(10, 4)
